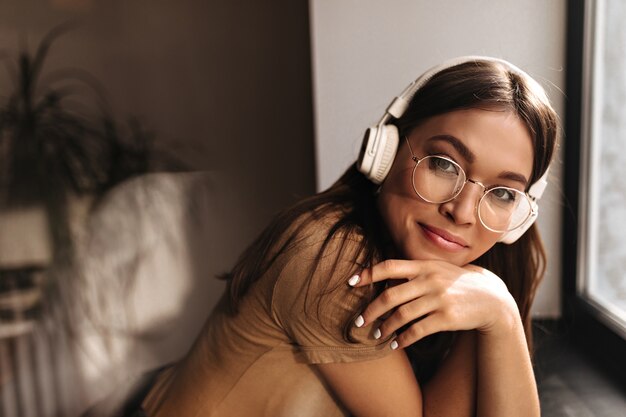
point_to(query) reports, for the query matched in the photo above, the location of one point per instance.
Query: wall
(224, 86)
(213, 80)
(366, 51)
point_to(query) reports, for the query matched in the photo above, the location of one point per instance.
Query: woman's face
(493, 148)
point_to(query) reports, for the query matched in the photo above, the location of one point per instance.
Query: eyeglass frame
(486, 189)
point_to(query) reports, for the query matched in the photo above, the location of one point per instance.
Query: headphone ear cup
(366, 154)
(376, 156)
(512, 236)
(389, 140)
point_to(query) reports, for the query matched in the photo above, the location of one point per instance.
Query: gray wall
(366, 51)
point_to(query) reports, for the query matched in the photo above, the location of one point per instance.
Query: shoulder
(317, 256)
(312, 299)
(326, 235)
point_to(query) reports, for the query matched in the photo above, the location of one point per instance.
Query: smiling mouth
(443, 239)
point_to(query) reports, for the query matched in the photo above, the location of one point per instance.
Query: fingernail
(354, 280)
(394, 345)
(377, 334)
(360, 321)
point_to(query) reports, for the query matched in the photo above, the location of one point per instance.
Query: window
(594, 237)
(602, 272)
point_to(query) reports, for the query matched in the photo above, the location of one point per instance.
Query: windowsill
(570, 383)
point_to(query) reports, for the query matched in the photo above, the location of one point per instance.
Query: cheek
(395, 210)
(396, 195)
(400, 212)
(399, 183)
(483, 242)
(390, 208)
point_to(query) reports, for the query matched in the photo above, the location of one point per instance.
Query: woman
(393, 299)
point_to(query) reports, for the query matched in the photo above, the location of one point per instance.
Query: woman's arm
(452, 390)
(506, 383)
(447, 298)
(376, 388)
(387, 386)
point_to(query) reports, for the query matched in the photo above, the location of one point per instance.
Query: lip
(443, 239)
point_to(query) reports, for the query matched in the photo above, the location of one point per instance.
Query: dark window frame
(600, 343)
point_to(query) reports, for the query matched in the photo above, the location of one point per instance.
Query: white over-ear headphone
(380, 142)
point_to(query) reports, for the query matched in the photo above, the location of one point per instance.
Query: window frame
(588, 328)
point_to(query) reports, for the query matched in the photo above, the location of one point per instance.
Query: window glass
(604, 284)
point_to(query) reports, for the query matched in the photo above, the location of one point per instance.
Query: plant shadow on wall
(59, 143)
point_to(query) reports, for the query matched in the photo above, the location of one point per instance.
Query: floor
(569, 383)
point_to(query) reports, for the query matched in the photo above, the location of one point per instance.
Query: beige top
(259, 362)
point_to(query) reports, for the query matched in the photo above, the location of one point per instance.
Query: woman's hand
(438, 296)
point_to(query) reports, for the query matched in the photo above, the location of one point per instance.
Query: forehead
(498, 140)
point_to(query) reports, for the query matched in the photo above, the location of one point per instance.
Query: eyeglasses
(437, 179)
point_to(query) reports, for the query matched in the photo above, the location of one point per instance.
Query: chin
(419, 254)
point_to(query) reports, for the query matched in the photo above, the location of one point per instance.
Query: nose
(463, 208)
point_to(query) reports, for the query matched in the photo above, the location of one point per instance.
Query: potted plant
(52, 153)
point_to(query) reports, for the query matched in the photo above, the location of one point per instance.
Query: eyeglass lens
(438, 180)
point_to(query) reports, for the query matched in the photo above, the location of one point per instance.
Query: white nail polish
(377, 334)
(394, 345)
(354, 280)
(359, 321)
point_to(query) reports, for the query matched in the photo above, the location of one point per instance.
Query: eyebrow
(469, 156)
(514, 176)
(457, 144)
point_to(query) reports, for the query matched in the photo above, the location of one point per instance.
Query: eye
(443, 166)
(503, 195)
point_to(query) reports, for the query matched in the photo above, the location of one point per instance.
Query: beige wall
(226, 87)
(366, 51)
(223, 85)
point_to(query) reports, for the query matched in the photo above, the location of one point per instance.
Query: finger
(394, 297)
(389, 269)
(415, 310)
(431, 324)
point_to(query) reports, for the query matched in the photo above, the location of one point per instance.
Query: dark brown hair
(476, 84)
(494, 86)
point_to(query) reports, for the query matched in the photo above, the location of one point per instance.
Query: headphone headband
(399, 105)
